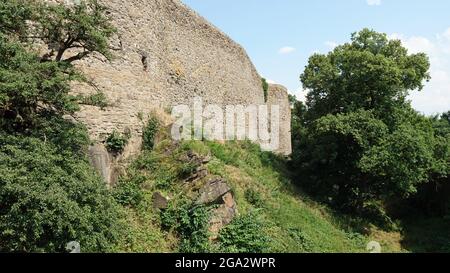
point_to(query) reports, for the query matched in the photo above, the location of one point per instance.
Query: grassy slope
(295, 223)
(297, 226)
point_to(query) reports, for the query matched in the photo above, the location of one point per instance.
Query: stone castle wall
(186, 57)
(278, 95)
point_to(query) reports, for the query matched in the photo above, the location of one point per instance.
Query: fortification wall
(278, 95)
(186, 56)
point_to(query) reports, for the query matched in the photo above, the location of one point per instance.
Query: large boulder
(213, 192)
(223, 215)
(217, 191)
(101, 160)
(159, 201)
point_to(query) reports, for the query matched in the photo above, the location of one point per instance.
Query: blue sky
(280, 35)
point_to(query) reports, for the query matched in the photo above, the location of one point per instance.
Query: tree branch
(77, 57)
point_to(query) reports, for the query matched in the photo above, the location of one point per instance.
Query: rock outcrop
(159, 201)
(217, 192)
(213, 192)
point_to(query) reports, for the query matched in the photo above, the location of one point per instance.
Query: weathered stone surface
(223, 215)
(198, 162)
(278, 95)
(217, 191)
(213, 192)
(206, 159)
(199, 174)
(193, 158)
(101, 160)
(228, 201)
(159, 201)
(185, 57)
(70, 119)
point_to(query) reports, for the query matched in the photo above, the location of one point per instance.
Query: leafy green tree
(83, 27)
(360, 144)
(371, 73)
(330, 155)
(150, 132)
(356, 163)
(402, 161)
(446, 116)
(50, 198)
(30, 88)
(32, 85)
(434, 196)
(49, 194)
(14, 15)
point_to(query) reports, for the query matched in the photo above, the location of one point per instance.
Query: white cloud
(373, 2)
(269, 81)
(331, 45)
(286, 50)
(435, 97)
(446, 34)
(300, 94)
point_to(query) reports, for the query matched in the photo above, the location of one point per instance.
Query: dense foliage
(116, 142)
(49, 193)
(34, 85)
(98, 99)
(149, 133)
(358, 143)
(191, 224)
(30, 88)
(83, 26)
(244, 235)
(50, 197)
(371, 73)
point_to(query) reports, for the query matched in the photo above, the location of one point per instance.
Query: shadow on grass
(427, 235)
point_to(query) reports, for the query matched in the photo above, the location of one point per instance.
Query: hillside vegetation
(365, 166)
(287, 219)
(263, 191)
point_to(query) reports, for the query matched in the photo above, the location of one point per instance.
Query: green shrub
(245, 234)
(163, 171)
(164, 177)
(140, 116)
(254, 197)
(49, 198)
(217, 167)
(49, 194)
(35, 84)
(30, 88)
(186, 169)
(265, 86)
(128, 191)
(65, 135)
(116, 142)
(149, 133)
(226, 154)
(198, 147)
(191, 224)
(99, 99)
(301, 238)
(147, 160)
